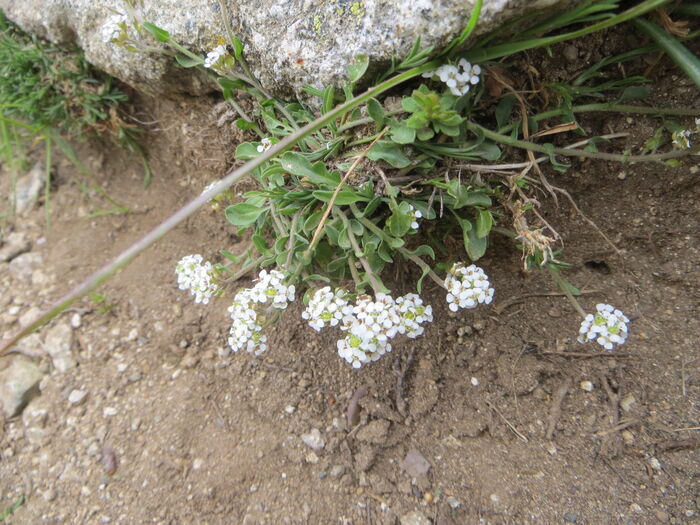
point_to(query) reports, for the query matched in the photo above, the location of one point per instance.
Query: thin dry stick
(324, 218)
(555, 409)
(616, 428)
(510, 425)
(515, 300)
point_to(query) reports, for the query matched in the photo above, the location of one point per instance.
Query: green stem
(290, 245)
(494, 52)
(562, 286)
(366, 120)
(531, 146)
(246, 269)
(376, 285)
(353, 271)
(609, 107)
(423, 266)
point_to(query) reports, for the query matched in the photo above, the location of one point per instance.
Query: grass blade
(680, 54)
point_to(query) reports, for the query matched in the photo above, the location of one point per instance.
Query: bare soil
(494, 397)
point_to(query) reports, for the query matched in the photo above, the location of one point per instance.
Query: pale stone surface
(19, 383)
(289, 43)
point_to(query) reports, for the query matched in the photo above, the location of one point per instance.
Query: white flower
(197, 275)
(214, 56)
(459, 79)
(265, 144)
(415, 215)
(271, 287)
(607, 327)
(413, 315)
(327, 308)
(112, 27)
(681, 138)
(245, 332)
(358, 350)
(467, 286)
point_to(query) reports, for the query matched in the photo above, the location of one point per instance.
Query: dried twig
(521, 298)
(555, 409)
(510, 425)
(672, 445)
(353, 412)
(623, 425)
(400, 371)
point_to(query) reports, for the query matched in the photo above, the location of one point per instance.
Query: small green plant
(49, 95)
(9, 511)
(358, 182)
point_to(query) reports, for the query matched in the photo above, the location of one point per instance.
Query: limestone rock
(15, 244)
(59, 345)
(19, 383)
(288, 43)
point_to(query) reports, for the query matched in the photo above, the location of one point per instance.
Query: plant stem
(376, 286)
(562, 286)
(290, 245)
(319, 228)
(423, 266)
(531, 146)
(353, 271)
(366, 120)
(605, 107)
(498, 51)
(246, 269)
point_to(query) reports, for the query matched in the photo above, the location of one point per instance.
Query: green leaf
(389, 152)
(230, 256)
(328, 99)
(296, 164)
(410, 105)
(188, 62)
(376, 112)
(246, 151)
(634, 93)
(237, 48)
(401, 133)
(260, 244)
(504, 110)
(475, 246)
(316, 277)
(484, 222)
(343, 198)
(399, 222)
(243, 214)
(244, 124)
(357, 67)
(344, 241)
(464, 197)
(159, 34)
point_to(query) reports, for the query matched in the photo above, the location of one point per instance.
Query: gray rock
(313, 439)
(19, 383)
(77, 397)
(59, 345)
(23, 266)
(375, 432)
(415, 464)
(288, 43)
(15, 244)
(28, 189)
(414, 518)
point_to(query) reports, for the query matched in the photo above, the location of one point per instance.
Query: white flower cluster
(415, 215)
(197, 275)
(467, 286)
(246, 330)
(681, 138)
(608, 327)
(327, 308)
(459, 78)
(214, 56)
(112, 27)
(265, 144)
(372, 323)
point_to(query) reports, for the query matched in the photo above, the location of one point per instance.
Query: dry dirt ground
(171, 431)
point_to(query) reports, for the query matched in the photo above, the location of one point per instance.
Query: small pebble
(587, 386)
(475, 381)
(109, 411)
(75, 320)
(627, 402)
(289, 409)
(655, 463)
(453, 502)
(76, 397)
(197, 464)
(571, 517)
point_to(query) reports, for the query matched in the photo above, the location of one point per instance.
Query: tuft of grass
(49, 95)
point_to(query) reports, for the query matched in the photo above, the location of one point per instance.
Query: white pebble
(76, 397)
(75, 320)
(109, 411)
(587, 386)
(475, 381)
